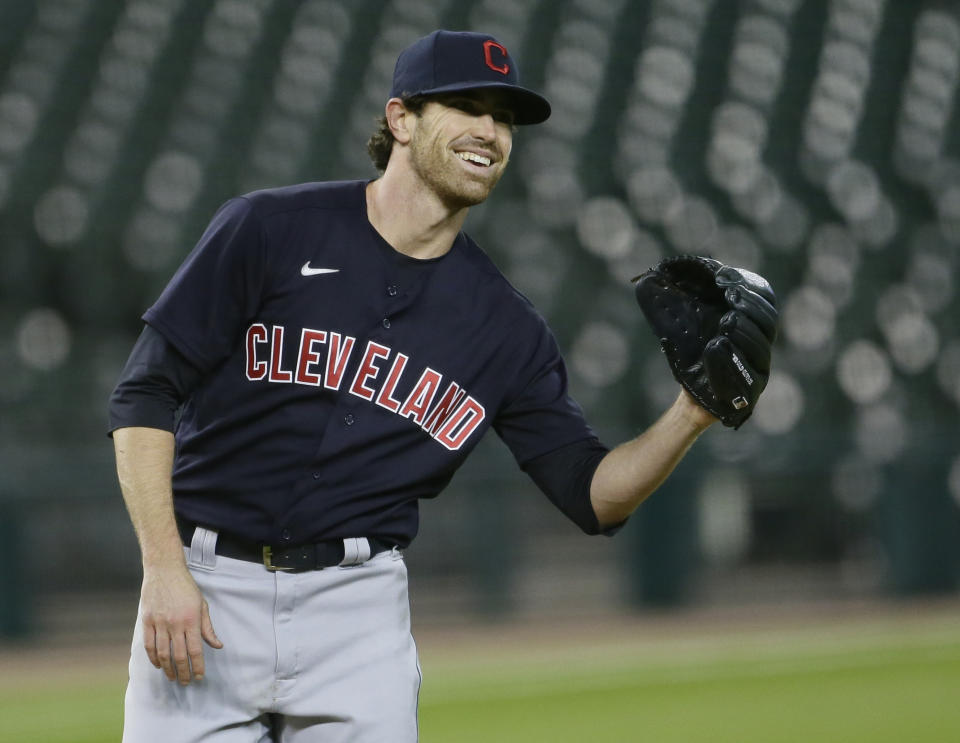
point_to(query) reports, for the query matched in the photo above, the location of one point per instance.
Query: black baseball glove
(716, 325)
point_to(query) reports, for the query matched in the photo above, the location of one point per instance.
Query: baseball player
(327, 355)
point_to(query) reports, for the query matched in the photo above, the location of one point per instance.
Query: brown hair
(380, 144)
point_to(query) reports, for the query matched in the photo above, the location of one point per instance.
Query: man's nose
(485, 125)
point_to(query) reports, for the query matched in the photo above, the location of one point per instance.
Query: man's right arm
(174, 614)
(153, 384)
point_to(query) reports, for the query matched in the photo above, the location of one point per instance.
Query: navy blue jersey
(342, 380)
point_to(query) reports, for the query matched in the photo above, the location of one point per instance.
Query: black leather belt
(316, 556)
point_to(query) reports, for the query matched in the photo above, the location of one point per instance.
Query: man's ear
(398, 119)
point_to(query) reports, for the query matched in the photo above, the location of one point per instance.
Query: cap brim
(528, 107)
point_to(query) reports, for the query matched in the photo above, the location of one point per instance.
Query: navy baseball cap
(448, 61)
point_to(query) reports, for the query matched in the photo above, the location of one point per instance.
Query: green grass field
(870, 682)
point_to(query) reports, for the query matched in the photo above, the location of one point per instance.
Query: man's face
(461, 145)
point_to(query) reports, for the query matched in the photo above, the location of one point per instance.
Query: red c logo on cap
(489, 45)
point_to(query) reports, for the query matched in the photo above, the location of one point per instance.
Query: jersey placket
(347, 416)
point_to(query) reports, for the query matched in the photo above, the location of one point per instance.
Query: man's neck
(411, 218)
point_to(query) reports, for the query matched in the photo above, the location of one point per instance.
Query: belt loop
(356, 550)
(203, 547)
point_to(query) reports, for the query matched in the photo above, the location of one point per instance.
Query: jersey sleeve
(541, 416)
(203, 309)
(546, 431)
(565, 474)
(154, 382)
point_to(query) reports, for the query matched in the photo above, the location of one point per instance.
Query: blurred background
(815, 142)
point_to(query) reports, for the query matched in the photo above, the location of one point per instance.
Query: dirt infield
(62, 660)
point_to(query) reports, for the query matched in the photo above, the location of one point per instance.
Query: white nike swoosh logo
(307, 271)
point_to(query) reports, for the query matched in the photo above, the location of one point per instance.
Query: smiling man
(327, 355)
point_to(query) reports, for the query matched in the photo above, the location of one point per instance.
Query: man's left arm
(632, 471)
(716, 325)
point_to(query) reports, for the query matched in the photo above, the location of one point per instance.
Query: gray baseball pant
(324, 656)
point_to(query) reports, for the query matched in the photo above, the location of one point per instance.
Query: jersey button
(392, 290)
(285, 535)
(316, 475)
(349, 419)
(386, 322)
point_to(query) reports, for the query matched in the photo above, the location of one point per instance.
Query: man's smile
(473, 157)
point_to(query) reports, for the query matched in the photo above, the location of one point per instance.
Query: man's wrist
(696, 416)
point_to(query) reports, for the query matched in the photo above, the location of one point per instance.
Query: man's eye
(474, 108)
(465, 105)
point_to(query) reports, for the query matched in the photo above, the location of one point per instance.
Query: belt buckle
(268, 560)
